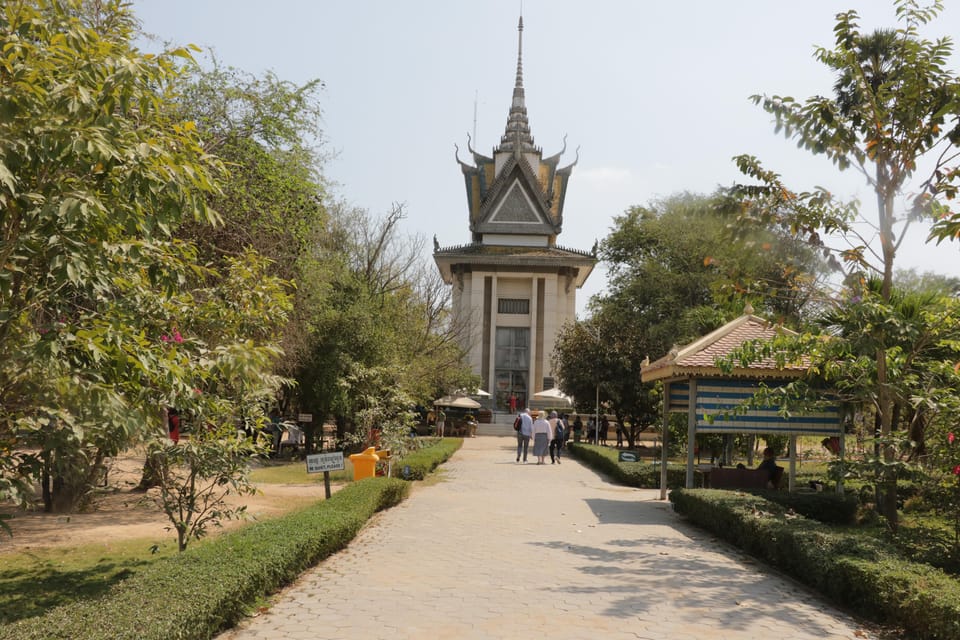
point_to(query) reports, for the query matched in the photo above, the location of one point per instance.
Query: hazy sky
(655, 94)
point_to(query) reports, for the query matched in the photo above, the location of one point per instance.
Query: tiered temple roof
(516, 191)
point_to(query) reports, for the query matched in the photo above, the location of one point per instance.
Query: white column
(793, 463)
(663, 440)
(492, 382)
(552, 317)
(474, 310)
(531, 383)
(691, 430)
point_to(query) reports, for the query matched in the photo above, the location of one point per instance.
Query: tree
(272, 197)
(94, 176)
(894, 112)
(668, 286)
(385, 321)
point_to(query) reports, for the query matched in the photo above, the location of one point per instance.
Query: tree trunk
(152, 473)
(884, 397)
(45, 486)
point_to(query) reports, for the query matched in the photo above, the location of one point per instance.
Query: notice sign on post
(318, 462)
(305, 417)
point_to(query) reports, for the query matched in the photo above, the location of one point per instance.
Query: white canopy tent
(460, 402)
(553, 396)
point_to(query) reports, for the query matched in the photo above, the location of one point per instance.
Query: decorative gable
(517, 190)
(515, 207)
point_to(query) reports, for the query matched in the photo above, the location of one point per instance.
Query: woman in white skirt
(541, 437)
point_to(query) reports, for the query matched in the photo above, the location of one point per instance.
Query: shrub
(851, 568)
(423, 461)
(644, 475)
(826, 507)
(208, 587)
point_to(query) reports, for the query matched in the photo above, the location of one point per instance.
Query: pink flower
(164, 338)
(950, 437)
(177, 337)
(197, 391)
(956, 470)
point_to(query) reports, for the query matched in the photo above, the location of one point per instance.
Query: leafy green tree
(94, 176)
(267, 132)
(919, 331)
(385, 319)
(893, 113)
(226, 347)
(668, 286)
(197, 475)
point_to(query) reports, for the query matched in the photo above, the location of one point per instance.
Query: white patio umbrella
(461, 402)
(553, 395)
(480, 393)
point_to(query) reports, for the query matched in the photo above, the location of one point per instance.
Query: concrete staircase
(502, 426)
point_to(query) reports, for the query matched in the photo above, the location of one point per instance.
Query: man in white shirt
(524, 434)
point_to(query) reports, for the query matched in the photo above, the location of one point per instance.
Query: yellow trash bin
(364, 464)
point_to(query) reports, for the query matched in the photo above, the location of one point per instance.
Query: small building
(513, 286)
(694, 384)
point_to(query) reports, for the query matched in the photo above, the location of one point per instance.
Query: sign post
(325, 462)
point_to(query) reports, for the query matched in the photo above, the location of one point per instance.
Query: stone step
(496, 429)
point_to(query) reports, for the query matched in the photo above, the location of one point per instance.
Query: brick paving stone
(496, 549)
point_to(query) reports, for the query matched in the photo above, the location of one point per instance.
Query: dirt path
(123, 514)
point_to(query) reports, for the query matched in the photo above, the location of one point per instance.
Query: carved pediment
(516, 206)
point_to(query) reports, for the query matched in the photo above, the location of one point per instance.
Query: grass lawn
(35, 580)
(296, 473)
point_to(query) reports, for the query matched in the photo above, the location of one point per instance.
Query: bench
(732, 478)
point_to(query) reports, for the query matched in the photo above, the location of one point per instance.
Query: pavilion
(694, 384)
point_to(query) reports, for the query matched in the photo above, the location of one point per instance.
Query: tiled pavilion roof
(699, 357)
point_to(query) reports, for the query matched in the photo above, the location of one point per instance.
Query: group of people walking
(548, 434)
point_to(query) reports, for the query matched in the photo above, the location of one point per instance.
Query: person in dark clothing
(769, 464)
(577, 429)
(559, 434)
(173, 424)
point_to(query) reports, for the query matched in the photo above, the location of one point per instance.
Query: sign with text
(318, 462)
(305, 417)
(629, 456)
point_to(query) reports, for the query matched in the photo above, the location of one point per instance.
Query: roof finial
(519, 82)
(517, 136)
(748, 309)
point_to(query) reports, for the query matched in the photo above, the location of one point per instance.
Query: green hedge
(826, 507)
(853, 570)
(423, 461)
(209, 586)
(644, 475)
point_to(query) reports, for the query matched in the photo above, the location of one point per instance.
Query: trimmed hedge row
(643, 475)
(826, 507)
(855, 571)
(423, 461)
(208, 587)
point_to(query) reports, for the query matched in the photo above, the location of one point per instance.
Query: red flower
(950, 437)
(956, 470)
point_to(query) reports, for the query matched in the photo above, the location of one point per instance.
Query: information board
(318, 462)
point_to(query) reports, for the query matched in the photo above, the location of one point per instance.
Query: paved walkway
(494, 549)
